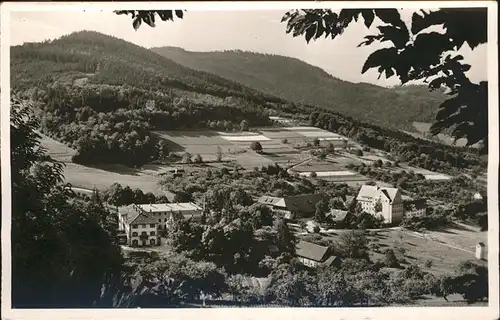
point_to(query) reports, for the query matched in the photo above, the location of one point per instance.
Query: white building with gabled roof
(391, 204)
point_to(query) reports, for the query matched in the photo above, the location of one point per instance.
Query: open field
(445, 256)
(57, 150)
(98, 177)
(445, 249)
(101, 178)
(301, 135)
(429, 175)
(332, 169)
(423, 129)
(235, 147)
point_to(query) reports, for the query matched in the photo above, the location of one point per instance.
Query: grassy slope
(297, 81)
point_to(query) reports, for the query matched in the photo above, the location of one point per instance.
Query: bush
(390, 259)
(313, 174)
(428, 264)
(359, 152)
(198, 159)
(256, 146)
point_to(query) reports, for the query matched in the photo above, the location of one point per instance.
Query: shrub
(256, 146)
(428, 264)
(198, 159)
(390, 259)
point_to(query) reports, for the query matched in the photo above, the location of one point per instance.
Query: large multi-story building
(137, 221)
(381, 201)
(164, 212)
(140, 228)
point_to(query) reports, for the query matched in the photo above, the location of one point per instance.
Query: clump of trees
(118, 195)
(71, 257)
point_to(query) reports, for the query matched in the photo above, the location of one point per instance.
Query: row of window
(144, 233)
(135, 226)
(136, 242)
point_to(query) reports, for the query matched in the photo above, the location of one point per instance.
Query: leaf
(310, 32)
(137, 23)
(389, 73)
(369, 39)
(368, 16)
(287, 16)
(390, 16)
(179, 14)
(399, 37)
(379, 58)
(149, 19)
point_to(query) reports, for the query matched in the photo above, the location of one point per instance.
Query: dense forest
(294, 80)
(104, 97)
(94, 92)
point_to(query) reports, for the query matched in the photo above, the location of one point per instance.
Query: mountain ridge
(295, 80)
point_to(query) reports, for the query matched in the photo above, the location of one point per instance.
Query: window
(152, 241)
(134, 234)
(135, 242)
(159, 220)
(152, 225)
(153, 233)
(134, 226)
(143, 226)
(144, 233)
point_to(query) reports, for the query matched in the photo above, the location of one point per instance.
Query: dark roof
(330, 260)
(144, 218)
(311, 251)
(349, 199)
(418, 204)
(303, 203)
(135, 215)
(337, 215)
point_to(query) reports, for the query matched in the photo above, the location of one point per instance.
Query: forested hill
(94, 93)
(297, 81)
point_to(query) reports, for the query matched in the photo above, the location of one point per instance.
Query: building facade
(140, 228)
(415, 208)
(313, 255)
(164, 213)
(142, 223)
(381, 201)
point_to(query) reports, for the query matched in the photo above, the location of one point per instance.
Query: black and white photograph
(250, 156)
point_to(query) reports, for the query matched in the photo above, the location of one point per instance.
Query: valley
(260, 170)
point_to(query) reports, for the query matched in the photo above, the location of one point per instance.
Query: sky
(256, 31)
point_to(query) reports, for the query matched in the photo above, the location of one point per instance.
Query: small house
(415, 208)
(480, 252)
(336, 217)
(313, 255)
